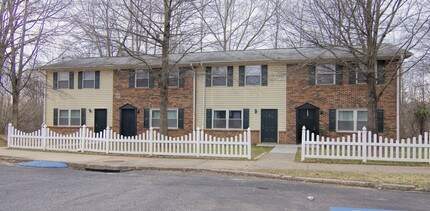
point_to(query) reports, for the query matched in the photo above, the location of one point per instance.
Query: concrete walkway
(280, 158)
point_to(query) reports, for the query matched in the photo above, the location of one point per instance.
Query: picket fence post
(82, 138)
(364, 144)
(107, 137)
(44, 132)
(9, 134)
(248, 137)
(303, 142)
(198, 142)
(150, 140)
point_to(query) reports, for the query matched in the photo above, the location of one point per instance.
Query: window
(89, 79)
(142, 78)
(227, 119)
(172, 118)
(252, 75)
(361, 78)
(219, 76)
(70, 117)
(351, 120)
(325, 73)
(63, 80)
(174, 77)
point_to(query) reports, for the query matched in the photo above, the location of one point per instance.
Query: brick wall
(66, 130)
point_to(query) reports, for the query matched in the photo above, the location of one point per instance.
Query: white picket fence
(196, 143)
(365, 146)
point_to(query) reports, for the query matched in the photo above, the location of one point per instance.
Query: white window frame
(169, 109)
(227, 126)
(94, 79)
(136, 78)
(171, 76)
(219, 75)
(247, 74)
(322, 67)
(354, 119)
(59, 77)
(69, 117)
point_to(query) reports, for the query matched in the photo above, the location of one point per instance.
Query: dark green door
(128, 122)
(269, 125)
(100, 120)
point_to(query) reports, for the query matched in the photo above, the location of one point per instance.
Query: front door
(307, 115)
(128, 121)
(269, 125)
(100, 120)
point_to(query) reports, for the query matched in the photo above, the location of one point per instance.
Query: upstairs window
(88, 79)
(219, 76)
(253, 75)
(325, 74)
(174, 77)
(142, 78)
(63, 80)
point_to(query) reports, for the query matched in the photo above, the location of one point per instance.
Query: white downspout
(204, 98)
(398, 102)
(44, 98)
(194, 97)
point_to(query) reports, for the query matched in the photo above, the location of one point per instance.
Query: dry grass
(3, 142)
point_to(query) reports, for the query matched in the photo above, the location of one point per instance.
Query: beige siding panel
(80, 98)
(239, 97)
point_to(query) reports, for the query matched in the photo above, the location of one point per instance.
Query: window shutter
(55, 116)
(83, 116)
(71, 80)
(332, 119)
(145, 118)
(264, 76)
(208, 76)
(181, 78)
(208, 118)
(245, 118)
(97, 80)
(80, 80)
(380, 120)
(381, 72)
(230, 76)
(241, 75)
(131, 81)
(151, 80)
(55, 80)
(181, 118)
(339, 74)
(311, 74)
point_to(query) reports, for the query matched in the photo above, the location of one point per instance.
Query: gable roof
(286, 55)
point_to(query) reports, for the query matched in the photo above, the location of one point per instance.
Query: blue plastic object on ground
(44, 164)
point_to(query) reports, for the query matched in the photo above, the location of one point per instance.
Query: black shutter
(151, 79)
(332, 119)
(208, 118)
(97, 80)
(208, 76)
(71, 80)
(181, 78)
(83, 116)
(245, 118)
(339, 74)
(311, 74)
(181, 118)
(230, 76)
(381, 69)
(55, 116)
(264, 77)
(131, 80)
(380, 120)
(145, 118)
(241, 75)
(80, 80)
(55, 80)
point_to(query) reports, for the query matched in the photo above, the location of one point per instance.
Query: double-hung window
(253, 75)
(174, 77)
(63, 80)
(172, 118)
(350, 120)
(142, 78)
(88, 79)
(69, 117)
(227, 119)
(325, 73)
(219, 76)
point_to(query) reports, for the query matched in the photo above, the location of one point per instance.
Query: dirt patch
(3, 142)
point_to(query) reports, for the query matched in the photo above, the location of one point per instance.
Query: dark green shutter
(83, 116)
(55, 80)
(181, 78)
(208, 118)
(146, 118)
(264, 76)
(131, 79)
(380, 120)
(80, 80)
(245, 118)
(311, 74)
(55, 116)
(381, 69)
(71, 80)
(241, 75)
(181, 118)
(208, 76)
(97, 80)
(151, 79)
(339, 74)
(230, 76)
(332, 119)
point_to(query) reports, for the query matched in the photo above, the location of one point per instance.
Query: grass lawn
(258, 152)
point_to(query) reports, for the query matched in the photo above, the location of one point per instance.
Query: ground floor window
(227, 119)
(350, 120)
(69, 117)
(172, 118)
